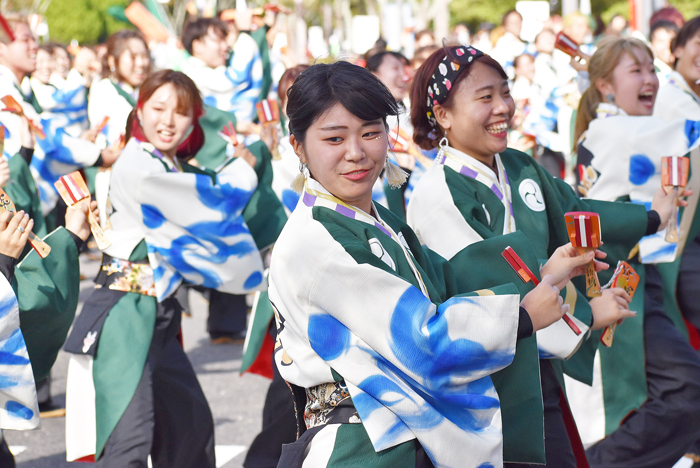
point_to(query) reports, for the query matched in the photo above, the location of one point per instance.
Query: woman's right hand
(544, 304)
(664, 204)
(611, 307)
(242, 152)
(12, 238)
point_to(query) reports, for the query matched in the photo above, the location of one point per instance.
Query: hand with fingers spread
(613, 306)
(544, 304)
(566, 262)
(14, 232)
(77, 219)
(4, 172)
(664, 203)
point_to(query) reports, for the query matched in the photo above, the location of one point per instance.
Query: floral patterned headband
(457, 59)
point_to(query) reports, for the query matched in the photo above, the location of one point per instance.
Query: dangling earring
(444, 143)
(298, 182)
(395, 176)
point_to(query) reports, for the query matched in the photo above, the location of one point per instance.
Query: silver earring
(610, 98)
(444, 143)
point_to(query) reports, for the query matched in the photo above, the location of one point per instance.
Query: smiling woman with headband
(479, 189)
(388, 351)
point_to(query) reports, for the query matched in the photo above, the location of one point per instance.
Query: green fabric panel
(213, 153)
(129, 98)
(354, 449)
(31, 99)
(140, 252)
(47, 291)
(264, 214)
(625, 391)
(23, 192)
(518, 385)
(396, 202)
(90, 175)
(120, 360)
(260, 38)
(257, 331)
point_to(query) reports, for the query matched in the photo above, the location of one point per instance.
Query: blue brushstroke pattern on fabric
(152, 217)
(438, 359)
(328, 337)
(224, 198)
(641, 169)
(7, 381)
(253, 280)
(14, 343)
(290, 199)
(7, 304)
(18, 410)
(692, 131)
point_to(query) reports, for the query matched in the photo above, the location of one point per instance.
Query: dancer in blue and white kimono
(129, 378)
(390, 362)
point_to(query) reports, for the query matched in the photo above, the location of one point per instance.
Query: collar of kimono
(316, 195)
(474, 169)
(606, 109)
(171, 165)
(677, 80)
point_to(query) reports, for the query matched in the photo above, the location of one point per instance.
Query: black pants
(279, 426)
(658, 434)
(227, 313)
(557, 446)
(689, 282)
(168, 417)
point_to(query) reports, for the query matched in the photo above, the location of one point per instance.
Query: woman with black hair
(479, 189)
(388, 354)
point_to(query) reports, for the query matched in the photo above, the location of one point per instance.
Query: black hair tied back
(321, 86)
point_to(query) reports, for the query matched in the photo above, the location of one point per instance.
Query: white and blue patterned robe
(193, 225)
(347, 303)
(19, 409)
(56, 155)
(234, 88)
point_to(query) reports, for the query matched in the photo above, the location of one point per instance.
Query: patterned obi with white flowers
(329, 403)
(127, 276)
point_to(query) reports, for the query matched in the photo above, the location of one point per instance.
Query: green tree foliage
(86, 21)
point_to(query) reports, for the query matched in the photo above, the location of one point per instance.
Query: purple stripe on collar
(382, 228)
(496, 190)
(468, 172)
(345, 211)
(309, 200)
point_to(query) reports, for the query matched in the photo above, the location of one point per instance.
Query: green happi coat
(450, 210)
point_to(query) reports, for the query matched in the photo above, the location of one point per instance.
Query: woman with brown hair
(131, 389)
(479, 189)
(125, 67)
(620, 145)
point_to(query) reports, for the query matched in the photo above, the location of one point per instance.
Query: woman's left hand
(566, 262)
(665, 203)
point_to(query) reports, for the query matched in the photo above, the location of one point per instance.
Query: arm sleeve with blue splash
(195, 230)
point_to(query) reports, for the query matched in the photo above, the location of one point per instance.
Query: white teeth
(497, 128)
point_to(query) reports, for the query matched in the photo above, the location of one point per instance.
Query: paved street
(236, 401)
